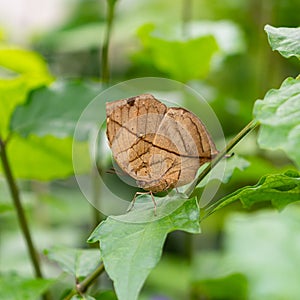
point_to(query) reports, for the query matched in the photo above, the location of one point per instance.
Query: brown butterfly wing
(131, 127)
(180, 146)
(159, 147)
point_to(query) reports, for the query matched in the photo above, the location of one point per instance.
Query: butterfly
(160, 147)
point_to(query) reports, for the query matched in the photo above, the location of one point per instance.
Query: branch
(14, 191)
(84, 285)
(104, 57)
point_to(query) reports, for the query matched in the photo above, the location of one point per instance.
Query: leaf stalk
(85, 284)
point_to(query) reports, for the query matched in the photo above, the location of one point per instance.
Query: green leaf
(22, 61)
(176, 57)
(43, 158)
(12, 92)
(285, 40)
(29, 72)
(54, 110)
(49, 111)
(279, 189)
(78, 262)
(14, 287)
(131, 249)
(279, 116)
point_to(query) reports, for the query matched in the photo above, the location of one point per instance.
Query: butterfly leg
(142, 193)
(154, 203)
(134, 198)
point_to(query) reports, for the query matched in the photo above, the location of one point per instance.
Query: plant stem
(105, 74)
(84, 285)
(96, 197)
(221, 154)
(187, 8)
(14, 191)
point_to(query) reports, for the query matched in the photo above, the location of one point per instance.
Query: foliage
(280, 189)
(276, 240)
(284, 40)
(46, 158)
(175, 56)
(26, 70)
(77, 262)
(15, 287)
(53, 110)
(258, 247)
(49, 156)
(131, 250)
(279, 115)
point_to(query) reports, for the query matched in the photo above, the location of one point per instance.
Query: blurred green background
(220, 49)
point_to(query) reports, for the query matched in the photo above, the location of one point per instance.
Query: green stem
(221, 154)
(14, 191)
(187, 8)
(98, 217)
(105, 74)
(84, 285)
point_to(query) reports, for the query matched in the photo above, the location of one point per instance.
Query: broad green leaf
(279, 116)
(43, 158)
(49, 112)
(182, 59)
(285, 40)
(131, 250)
(54, 110)
(14, 287)
(22, 61)
(78, 262)
(279, 189)
(29, 71)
